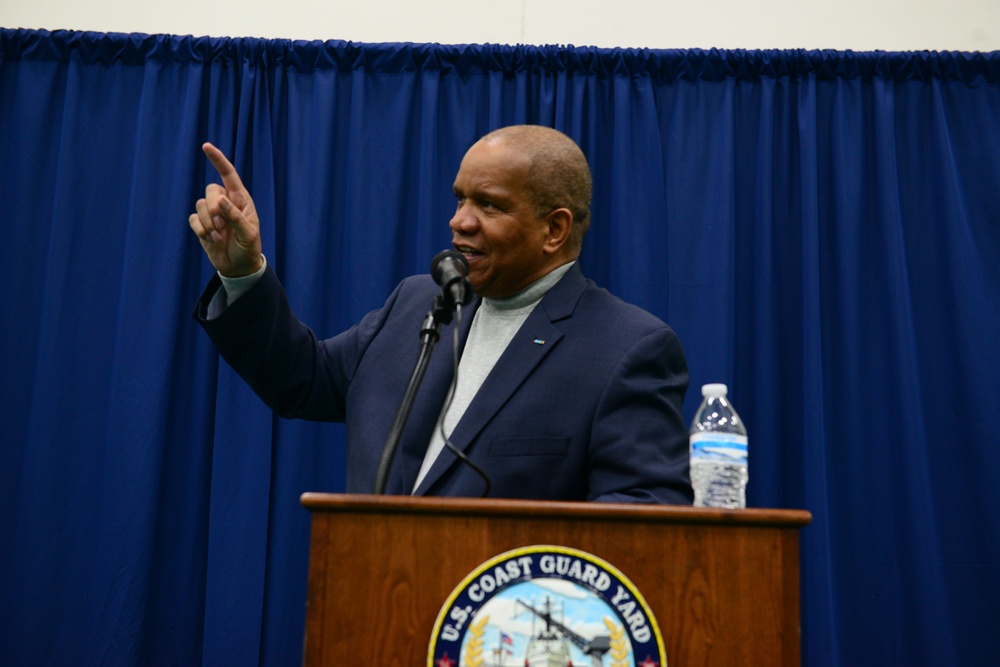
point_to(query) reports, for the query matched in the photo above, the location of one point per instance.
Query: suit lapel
(536, 338)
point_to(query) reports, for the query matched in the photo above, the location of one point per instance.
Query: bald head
(558, 176)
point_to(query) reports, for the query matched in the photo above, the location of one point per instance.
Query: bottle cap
(715, 389)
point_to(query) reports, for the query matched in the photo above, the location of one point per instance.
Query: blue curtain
(821, 228)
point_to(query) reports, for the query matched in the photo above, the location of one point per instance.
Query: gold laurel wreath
(473, 656)
(619, 644)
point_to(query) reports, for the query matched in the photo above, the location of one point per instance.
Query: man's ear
(560, 222)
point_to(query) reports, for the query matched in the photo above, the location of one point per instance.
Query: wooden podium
(723, 585)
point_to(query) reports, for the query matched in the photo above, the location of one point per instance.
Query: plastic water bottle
(718, 452)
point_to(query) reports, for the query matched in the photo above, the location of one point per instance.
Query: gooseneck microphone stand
(430, 334)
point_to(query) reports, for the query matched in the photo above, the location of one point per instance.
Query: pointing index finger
(230, 178)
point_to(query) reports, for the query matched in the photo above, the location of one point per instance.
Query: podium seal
(546, 606)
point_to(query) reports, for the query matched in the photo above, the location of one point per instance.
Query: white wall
(861, 25)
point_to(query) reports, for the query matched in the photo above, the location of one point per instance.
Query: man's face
(495, 225)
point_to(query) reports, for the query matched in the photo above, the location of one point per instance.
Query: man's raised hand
(226, 222)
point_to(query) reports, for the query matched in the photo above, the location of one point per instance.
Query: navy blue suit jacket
(584, 404)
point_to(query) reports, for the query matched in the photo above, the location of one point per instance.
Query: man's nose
(464, 221)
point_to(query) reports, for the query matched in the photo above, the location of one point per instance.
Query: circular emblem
(546, 606)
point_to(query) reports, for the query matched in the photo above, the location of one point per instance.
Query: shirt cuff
(237, 287)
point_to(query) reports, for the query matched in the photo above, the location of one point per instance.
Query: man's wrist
(246, 271)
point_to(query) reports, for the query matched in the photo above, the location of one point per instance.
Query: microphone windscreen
(447, 257)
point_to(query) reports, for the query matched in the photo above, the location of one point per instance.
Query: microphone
(450, 270)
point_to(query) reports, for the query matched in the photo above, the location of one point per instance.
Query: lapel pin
(539, 341)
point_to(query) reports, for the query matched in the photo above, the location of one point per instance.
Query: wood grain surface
(723, 585)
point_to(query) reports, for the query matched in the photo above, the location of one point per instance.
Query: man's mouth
(469, 252)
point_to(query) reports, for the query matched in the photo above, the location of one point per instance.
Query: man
(564, 391)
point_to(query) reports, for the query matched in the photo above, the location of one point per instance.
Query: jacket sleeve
(280, 358)
(639, 444)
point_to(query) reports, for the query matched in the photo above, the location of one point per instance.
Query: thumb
(245, 230)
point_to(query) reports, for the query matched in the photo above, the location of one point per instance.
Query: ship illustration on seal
(550, 646)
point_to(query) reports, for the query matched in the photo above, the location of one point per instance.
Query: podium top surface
(538, 509)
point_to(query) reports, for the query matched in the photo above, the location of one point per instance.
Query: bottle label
(722, 447)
